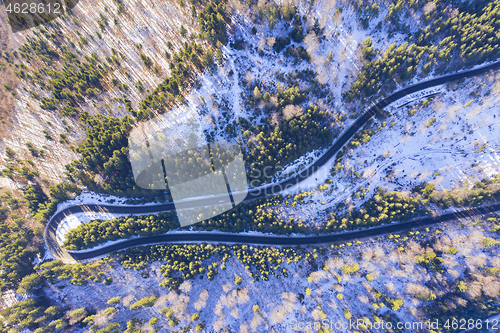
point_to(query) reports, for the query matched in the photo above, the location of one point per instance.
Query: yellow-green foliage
(430, 122)
(109, 311)
(384, 207)
(452, 250)
(80, 274)
(461, 286)
(145, 302)
(114, 301)
(347, 314)
(394, 303)
(488, 242)
(349, 269)
(77, 313)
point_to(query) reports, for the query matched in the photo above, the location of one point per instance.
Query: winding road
(269, 190)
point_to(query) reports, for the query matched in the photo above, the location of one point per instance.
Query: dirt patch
(292, 110)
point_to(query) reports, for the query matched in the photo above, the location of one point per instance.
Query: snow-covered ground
(148, 24)
(461, 145)
(406, 152)
(286, 301)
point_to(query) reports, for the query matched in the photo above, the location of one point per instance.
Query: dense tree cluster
(145, 302)
(469, 38)
(181, 66)
(72, 82)
(384, 207)
(29, 284)
(361, 137)
(213, 23)
(189, 261)
(41, 206)
(281, 43)
(291, 95)
(482, 192)
(262, 262)
(77, 274)
(259, 215)
(105, 149)
(288, 13)
(15, 255)
(287, 141)
(298, 53)
(18, 246)
(34, 314)
(431, 261)
(40, 47)
(368, 51)
(97, 231)
(401, 61)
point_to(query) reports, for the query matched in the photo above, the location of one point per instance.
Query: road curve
(185, 237)
(60, 253)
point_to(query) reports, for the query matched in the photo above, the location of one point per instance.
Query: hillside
(283, 80)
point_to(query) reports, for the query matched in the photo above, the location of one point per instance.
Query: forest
(39, 313)
(69, 80)
(257, 215)
(286, 142)
(42, 207)
(383, 207)
(34, 314)
(18, 245)
(261, 215)
(446, 44)
(189, 261)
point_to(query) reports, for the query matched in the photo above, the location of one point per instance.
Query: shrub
(238, 280)
(488, 242)
(109, 311)
(146, 60)
(430, 122)
(77, 313)
(145, 302)
(347, 314)
(29, 284)
(349, 269)
(452, 250)
(114, 301)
